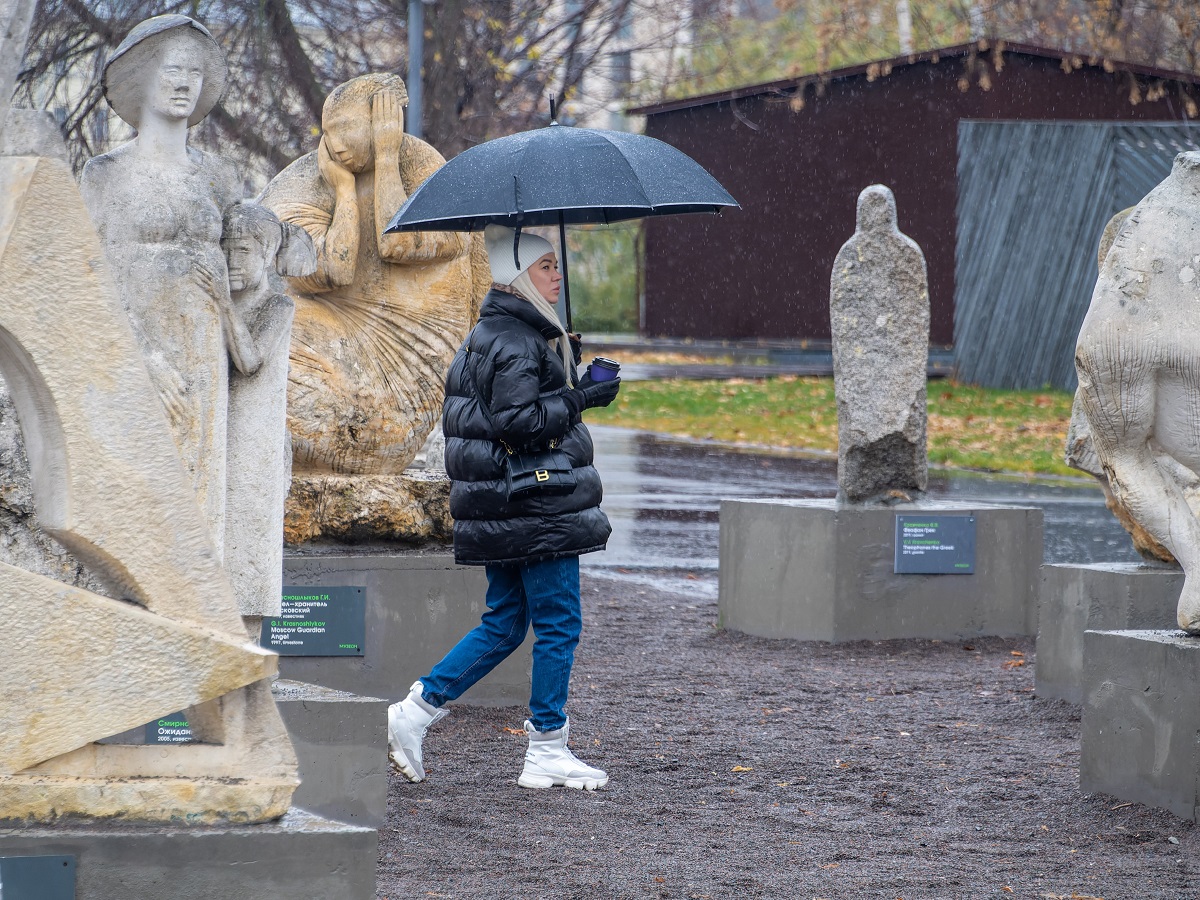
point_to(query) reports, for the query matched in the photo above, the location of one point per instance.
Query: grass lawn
(969, 427)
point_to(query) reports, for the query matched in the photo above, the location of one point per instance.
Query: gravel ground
(743, 767)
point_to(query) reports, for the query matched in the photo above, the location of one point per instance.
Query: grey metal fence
(1033, 200)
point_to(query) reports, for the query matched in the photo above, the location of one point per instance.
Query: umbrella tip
(553, 112)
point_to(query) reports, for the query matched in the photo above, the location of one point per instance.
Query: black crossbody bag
(529, 472)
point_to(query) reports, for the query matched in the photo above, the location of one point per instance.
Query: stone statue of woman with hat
(158, 206)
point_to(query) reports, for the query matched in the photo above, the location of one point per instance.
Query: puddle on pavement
(662, 497)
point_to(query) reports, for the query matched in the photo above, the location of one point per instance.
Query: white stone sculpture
(259, 248)
(158, 205)
(213, 348)
(108, 485)
(1138, 360)
(879, 317)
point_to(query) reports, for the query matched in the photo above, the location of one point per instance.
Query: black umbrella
(560, 175)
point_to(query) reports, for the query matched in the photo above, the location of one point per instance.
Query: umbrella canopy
(560, 175)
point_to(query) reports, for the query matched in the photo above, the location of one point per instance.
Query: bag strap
(487, 413)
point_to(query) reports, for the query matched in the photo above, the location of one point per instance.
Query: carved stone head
(169, 64)
(254, 241)
(346, 118)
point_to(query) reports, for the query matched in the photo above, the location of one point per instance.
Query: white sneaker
(408, 721)
(548, 763)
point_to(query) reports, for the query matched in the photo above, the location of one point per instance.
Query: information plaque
(37, 878)
(168, 730)
(935, 545)
(318, 621)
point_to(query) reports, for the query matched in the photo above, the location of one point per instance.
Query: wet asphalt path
(662, 496)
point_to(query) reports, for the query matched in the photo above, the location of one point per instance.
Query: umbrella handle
(517, 244)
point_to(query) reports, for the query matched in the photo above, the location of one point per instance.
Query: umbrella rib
(632, 171)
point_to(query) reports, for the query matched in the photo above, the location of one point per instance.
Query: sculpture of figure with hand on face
(379, 321)
(158, 206)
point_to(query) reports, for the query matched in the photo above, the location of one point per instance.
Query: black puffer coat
(522, 381)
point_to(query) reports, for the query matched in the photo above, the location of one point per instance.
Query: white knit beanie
(499, 242)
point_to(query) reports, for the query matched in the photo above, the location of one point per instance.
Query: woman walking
(513, 385)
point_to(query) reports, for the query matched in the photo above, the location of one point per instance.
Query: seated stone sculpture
(1139, 370)
(379, 320)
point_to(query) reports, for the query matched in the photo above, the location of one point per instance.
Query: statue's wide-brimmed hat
(125, 91)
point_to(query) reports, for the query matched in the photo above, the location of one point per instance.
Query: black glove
(576, 347)
(596, 393)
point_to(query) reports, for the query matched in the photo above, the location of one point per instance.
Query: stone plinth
(340, 741)
(300, 857)
(419, 603)
(1140, 718)
(1100, 597)
(817, 570)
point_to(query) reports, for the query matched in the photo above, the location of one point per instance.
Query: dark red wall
(763, 271)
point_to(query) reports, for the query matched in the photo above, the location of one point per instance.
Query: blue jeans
(545, 594)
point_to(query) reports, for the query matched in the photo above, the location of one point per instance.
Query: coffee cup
(604, 369)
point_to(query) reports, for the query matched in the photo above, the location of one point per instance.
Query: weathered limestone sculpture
(1081, 450)
(376, 325)
(258, 248)
(108, 484)
(26, 132)
(879, 316)
(157, 205)
(1139, 370)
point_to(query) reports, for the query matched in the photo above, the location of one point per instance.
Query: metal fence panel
(1033, 200)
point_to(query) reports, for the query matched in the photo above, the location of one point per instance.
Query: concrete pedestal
(1100, 597)
(301, 857)
(816, 570)
(418, 605)
(1140, 718)
(341, 744)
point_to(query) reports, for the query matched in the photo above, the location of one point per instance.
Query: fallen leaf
(1120, 806)
(508, 730)
(1016, 653)
(1007, 889)
(658, 879)
(742, 769)
(830, 865)
(1013, 664)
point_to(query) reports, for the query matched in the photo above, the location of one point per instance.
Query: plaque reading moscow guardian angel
(318, 621)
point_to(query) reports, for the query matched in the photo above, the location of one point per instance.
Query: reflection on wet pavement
(662, 497)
